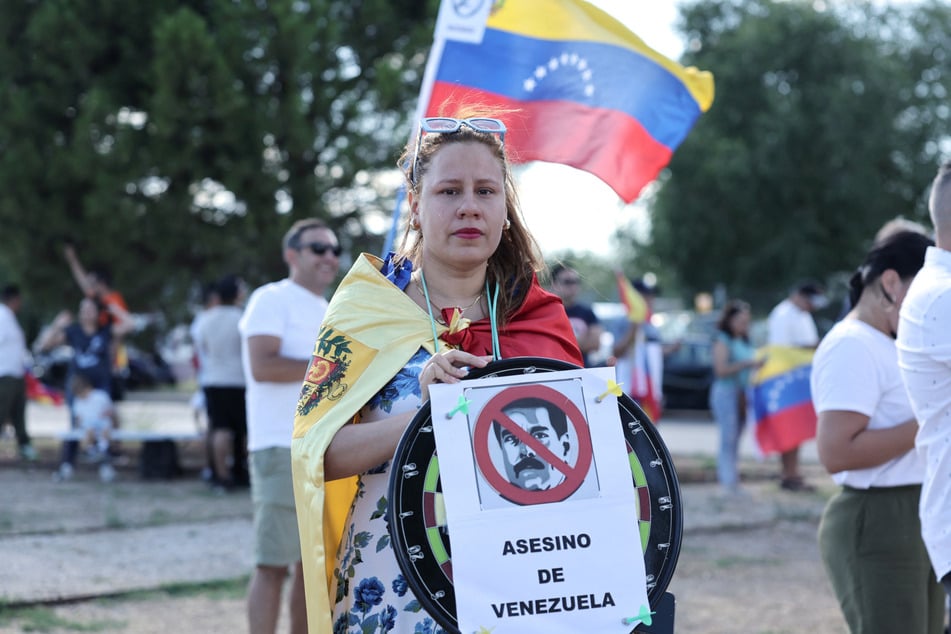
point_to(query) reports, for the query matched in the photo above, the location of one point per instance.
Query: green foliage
(43, 619)
(827, 123)
(175, 141)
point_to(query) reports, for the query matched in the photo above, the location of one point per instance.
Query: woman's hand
(450, 366)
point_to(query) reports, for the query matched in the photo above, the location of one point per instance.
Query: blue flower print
(368, 594)
(428, 626)
(388, 619)
(403, 385)
(340, 625)
(399, 585)
(385, 397)
(361, 539)
(406, 381)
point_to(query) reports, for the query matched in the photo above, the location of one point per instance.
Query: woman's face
(88, 312)
(740, 323)
(460, 206)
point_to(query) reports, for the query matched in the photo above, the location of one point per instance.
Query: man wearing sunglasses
(278, 331)
(566, 284)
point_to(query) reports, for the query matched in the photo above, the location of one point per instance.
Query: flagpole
(425, 92)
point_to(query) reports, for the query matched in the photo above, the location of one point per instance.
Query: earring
(414, 224)
(507, 225)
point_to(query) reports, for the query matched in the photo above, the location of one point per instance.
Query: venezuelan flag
(588, 92)
(781, 400)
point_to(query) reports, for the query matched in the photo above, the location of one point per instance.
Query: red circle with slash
(493, 412)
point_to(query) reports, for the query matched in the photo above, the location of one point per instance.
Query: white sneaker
(64, 473)
(106, 472)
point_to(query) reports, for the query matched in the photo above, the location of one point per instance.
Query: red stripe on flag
(786, 429)
(596, 140)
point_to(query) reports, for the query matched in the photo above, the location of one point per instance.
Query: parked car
(688, 374)
(688, 368)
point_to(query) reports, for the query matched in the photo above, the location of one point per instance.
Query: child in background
(96, 416)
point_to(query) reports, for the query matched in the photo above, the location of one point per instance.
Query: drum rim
(525, 364)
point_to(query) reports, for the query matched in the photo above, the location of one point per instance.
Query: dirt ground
(761, 581)
(744, 575)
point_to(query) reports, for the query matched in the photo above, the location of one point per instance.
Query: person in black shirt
(566, 284)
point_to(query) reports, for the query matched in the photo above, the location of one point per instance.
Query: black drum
(422, 545)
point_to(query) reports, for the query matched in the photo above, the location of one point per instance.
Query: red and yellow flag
(637, 310)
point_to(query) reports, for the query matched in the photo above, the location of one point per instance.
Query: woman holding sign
(870, 535)
(461, 291)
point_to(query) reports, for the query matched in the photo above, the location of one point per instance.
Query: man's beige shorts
(276, 538)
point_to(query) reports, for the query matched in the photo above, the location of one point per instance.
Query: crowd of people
(460, 291)
(881, 389)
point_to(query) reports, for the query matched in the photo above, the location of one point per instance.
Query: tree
(177, 140)
(827, 122)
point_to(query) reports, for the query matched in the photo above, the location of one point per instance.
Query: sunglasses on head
(320, 248)
(449, 125)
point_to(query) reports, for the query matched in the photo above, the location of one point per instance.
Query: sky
(555, 196)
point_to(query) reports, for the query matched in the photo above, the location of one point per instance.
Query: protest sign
(540, 503)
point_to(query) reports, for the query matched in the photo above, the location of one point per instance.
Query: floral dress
(371, 594)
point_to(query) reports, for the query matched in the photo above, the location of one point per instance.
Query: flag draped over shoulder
(587, 92)
(781, 400)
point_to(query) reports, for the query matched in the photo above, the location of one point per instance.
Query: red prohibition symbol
(493, 412)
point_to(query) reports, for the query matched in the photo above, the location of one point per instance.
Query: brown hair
(517, 257)
(731, 309)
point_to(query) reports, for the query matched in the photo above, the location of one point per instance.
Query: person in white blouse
(870, 535)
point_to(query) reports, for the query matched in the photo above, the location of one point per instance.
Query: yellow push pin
(613, 388)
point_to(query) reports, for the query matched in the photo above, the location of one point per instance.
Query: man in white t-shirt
(924, 355)
(791, 324)
(278, 331)
(13, 358)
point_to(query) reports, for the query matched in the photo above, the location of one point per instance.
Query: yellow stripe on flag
(581, 21)
(634, 302)
(781, 359)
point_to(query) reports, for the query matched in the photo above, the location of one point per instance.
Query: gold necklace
(439, 310)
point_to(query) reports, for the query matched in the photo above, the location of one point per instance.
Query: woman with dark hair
(733, 361)
(870, 534)
(461, 291)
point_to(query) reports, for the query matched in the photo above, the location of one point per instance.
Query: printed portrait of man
(548, 425)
